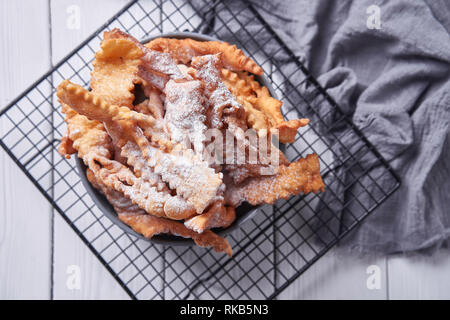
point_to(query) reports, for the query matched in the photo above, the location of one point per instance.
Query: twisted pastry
(183, 50)
(156, 68)
(149, 226)
(115, 71)
(175, 207)
(218, 216)
(221, 101)
(224, 108)
(185, 113)
(264, 111)
(95, 149)
(300, 176)
(182, 169)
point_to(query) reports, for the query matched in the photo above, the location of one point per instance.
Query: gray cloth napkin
(394, 83)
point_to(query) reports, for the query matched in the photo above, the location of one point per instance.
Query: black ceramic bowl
(243, 213)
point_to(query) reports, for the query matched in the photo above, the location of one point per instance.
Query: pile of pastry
(177, 133)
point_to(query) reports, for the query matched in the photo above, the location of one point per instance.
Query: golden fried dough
(146, 155)
(183, 50)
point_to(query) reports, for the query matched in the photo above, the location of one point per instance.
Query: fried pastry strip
(302, 175)
(85, 136)
(186, 173)
(218, 216)
(256, 119)
(181, 168)
(263, 110)
(143, 107)
(94, 147)
(224, 108)
(115, 71)
(135, 160)
(153, 79)
(185, 113)
(149, 226)
(141, 192)
(157, 67)
(221, 101)
(183, 50)
(95, 108)
(175, 207)
(65, 148)
(146, 225)
(155, 60)
(155, 105)
(113, 78)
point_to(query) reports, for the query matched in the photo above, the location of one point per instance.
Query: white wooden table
(38, 250)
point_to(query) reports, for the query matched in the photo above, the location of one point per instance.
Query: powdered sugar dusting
(185, 113)
(220, 99)
(157, 80)
(173, 206)
(161, 62)
(186, 173)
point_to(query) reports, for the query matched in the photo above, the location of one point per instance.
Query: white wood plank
(24, 212)
(420, 276)
(96, 282)
(340, 275)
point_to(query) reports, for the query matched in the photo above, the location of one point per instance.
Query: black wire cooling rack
(270, 251)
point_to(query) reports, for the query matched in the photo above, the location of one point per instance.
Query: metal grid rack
(270, 251)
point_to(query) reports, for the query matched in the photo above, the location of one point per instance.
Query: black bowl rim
(103, 204)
